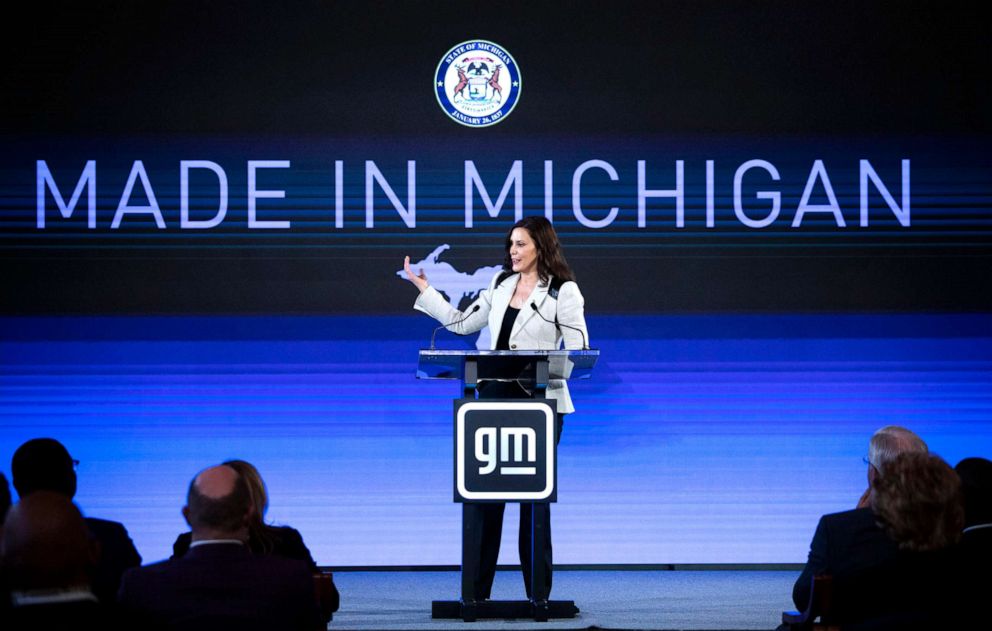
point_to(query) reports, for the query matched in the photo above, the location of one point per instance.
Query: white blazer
(530, 332)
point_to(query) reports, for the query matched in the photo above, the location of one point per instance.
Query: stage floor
(626, 599)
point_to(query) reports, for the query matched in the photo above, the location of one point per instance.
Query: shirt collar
(50, 596)
(207, 542)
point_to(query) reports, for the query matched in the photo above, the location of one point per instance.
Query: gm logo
(505, 450)
(511, 441)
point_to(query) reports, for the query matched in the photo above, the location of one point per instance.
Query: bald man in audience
(219, 583)
(48, 556)
(850, 541)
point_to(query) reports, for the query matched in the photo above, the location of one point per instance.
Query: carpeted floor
(705, 599)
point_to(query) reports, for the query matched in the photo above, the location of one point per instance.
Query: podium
(505, 451)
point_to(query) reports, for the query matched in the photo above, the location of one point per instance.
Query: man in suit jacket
(976, 539)
(851, 541)
(844, 544)
(976, 484)
(219, 584)
(44, 464)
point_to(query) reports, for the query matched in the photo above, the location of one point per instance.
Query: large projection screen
(779, 214)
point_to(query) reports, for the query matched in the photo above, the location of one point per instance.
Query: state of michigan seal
(477, 83)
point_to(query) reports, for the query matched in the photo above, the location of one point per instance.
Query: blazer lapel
(538, 296)
(501, 300)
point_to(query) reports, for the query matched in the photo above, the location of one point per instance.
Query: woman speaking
(533, 304)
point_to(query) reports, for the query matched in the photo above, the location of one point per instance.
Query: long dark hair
(550, 259)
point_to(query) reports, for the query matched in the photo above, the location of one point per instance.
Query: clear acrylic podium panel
(450, 364)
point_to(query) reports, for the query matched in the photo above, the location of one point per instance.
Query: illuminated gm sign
(512, 441)
(505, 450)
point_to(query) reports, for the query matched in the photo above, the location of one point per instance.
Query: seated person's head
(218, 505)
(46, 544)
(889, 442)
(918, 502)
(976, 484)
(256, 486)
(43, 464)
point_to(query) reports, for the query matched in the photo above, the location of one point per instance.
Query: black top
(503, 343)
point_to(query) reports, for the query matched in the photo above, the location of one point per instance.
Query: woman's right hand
(420, 280)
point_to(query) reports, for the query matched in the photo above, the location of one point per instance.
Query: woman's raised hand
(420, 280)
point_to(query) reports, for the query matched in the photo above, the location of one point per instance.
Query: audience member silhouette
(47, 556)
(919, 505)
(266, 539)
(976, 484)
(976, 539)
(219, 583)
(850, 541)
(4, 507)
(262, 538)
(44, 464)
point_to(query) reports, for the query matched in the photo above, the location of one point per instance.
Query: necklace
(521, 294)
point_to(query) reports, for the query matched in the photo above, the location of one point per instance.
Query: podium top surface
(450, 364)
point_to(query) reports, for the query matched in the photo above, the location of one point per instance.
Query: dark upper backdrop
(604, 80)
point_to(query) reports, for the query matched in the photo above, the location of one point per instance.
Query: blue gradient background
(703, 438)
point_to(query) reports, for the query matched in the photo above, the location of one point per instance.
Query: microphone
(444, 326)
(585, 344)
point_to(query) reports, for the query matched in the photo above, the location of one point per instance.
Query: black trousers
(488, 518)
